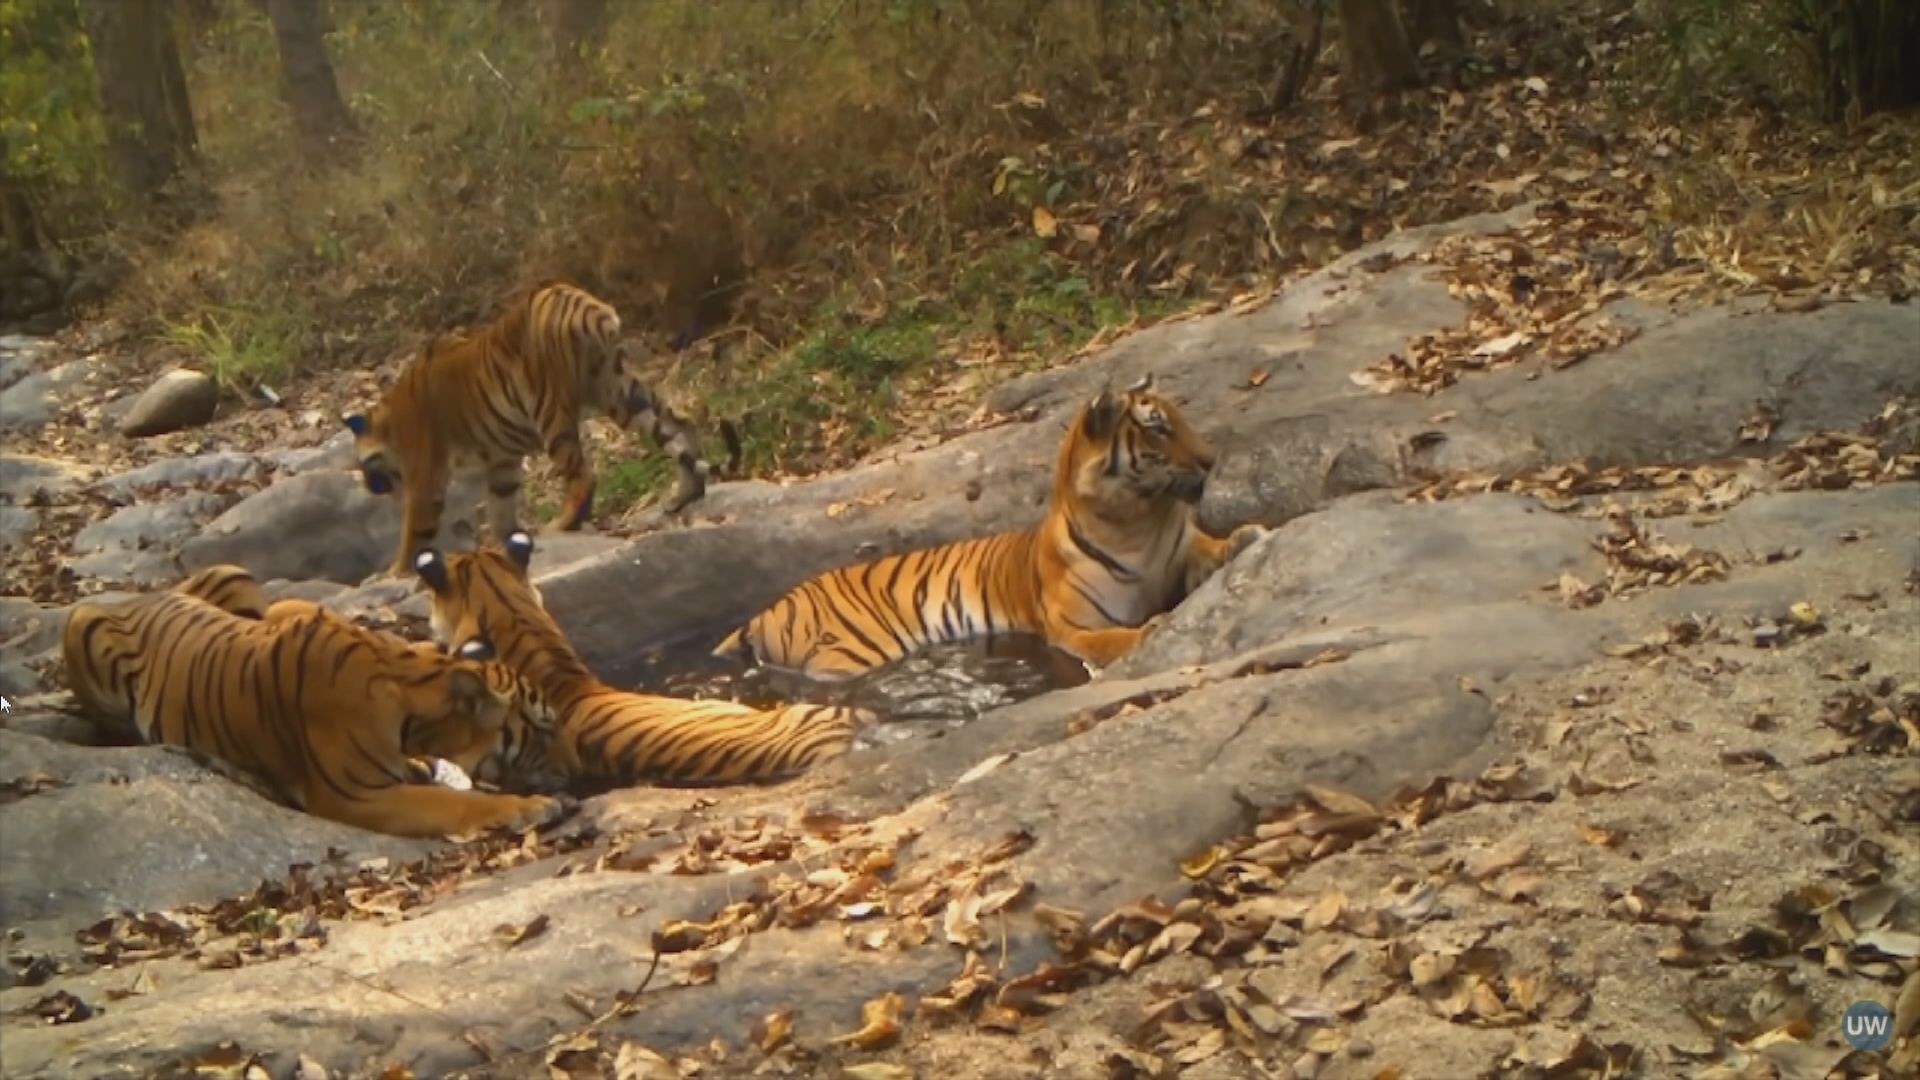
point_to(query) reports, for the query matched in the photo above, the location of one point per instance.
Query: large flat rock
(1441, 610)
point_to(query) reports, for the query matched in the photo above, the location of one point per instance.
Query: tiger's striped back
(857, 618)
(1117, 548)
(611, 734)
(526, 736)
(325, 712)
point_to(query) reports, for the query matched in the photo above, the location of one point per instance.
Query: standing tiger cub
(1117, 550)
(520, 384)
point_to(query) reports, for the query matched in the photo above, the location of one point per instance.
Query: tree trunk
(1378, 54)
(1877, 57)
(143, 92)
(308, 82)
(1436, 21)
(577, 29)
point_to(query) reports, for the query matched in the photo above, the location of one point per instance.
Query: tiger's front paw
(537, 811)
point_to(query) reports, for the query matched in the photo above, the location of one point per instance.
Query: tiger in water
(1117, 549)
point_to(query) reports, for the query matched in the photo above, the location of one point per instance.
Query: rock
(220, 467)
(137, 544)
(1436, 628)
(316, 591)
(182, 398)
(179, 833)
(24, 477)
(16, 522)
(18, 354)
(320, 524)
(335, 453)
(31, 402)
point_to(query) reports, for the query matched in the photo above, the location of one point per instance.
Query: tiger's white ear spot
(425, 559)
(1144, 385)
(476, 649)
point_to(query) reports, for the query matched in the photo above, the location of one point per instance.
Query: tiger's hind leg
(561, 435)
(672, 436)
(503, 497)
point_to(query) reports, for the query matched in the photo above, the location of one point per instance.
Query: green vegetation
(242, 348)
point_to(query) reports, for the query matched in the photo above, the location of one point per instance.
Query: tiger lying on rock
(522, 383)
(328, 713)
(608, 734)
(1117, 550)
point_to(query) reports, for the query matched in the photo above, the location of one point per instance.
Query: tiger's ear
(520, 548)
(1144, 386)
(1102, 415)
(432, 569)
(478, 648)
(356, 422)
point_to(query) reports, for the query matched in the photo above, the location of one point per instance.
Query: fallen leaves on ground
(288, 917)
(1875, 453)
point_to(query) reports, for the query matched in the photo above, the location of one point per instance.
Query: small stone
(182, 398)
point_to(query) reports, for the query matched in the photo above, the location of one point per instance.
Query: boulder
(180, 399)
(137, 544)
(219, 467)
(24, 477)
(30, 403)
(179, 833)
(320, 524)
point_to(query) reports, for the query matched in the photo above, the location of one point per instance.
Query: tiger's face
(500, 725)
(379, 464)
(473, 593)
(1136, 447)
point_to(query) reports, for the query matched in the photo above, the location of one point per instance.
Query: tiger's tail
(650, 414)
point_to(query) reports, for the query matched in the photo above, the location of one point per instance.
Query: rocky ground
(1564, 728)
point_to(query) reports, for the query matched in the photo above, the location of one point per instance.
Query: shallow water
(943, 686)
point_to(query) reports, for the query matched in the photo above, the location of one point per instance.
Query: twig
(504, 81)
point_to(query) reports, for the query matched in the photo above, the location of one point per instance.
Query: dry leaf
(1044, 225)
(1325, 912)
(510, 935)
(879, 1024)
(876, 1070)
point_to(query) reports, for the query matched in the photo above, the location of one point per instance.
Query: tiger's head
(1130, 450)
(385, 435)
(483, 593)
(373, 447)
(500, 725)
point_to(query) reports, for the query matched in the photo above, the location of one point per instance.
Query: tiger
(519, 756)
(324, 711)
(523, 382)
(610, 735)
(1117, 549)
